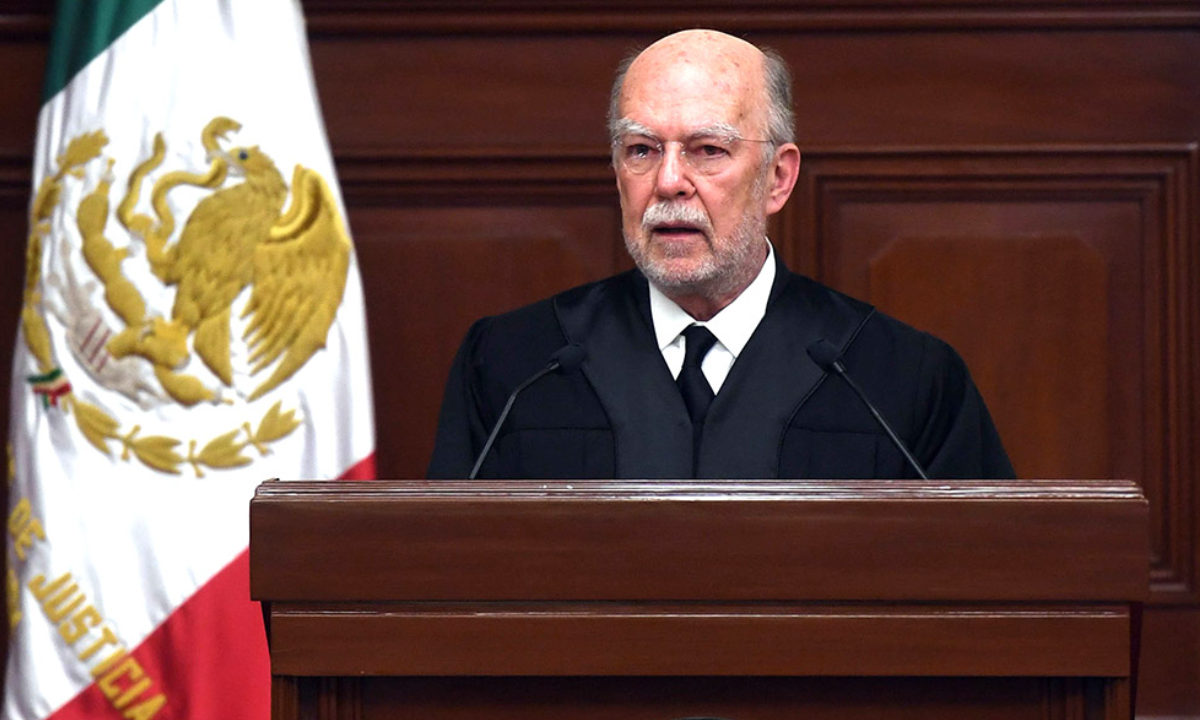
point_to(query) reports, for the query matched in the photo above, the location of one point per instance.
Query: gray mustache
(669, 212)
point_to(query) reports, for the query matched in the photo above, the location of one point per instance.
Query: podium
(658, 600)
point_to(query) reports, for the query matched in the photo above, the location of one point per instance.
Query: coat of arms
(243, 241)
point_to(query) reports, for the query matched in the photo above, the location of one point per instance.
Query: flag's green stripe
(82, 30)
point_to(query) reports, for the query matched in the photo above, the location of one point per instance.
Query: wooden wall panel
(1052, 271)
(521, 93)
(12, 278)
(1169, 658)
(23, 47)
(444, 92)
(1026, 361)
(428, 270)
(922, 88)
(14, 200)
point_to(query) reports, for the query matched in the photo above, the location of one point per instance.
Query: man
(704, 152)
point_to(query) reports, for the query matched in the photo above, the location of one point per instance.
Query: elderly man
(697, 364)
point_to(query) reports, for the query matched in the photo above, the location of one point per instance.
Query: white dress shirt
(732, 326)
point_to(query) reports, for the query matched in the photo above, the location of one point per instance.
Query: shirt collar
(732, 326)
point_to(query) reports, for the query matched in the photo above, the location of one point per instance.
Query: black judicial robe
(620, 415)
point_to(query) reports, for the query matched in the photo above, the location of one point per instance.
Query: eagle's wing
(299, 279)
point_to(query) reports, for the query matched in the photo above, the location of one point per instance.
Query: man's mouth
(676, 230)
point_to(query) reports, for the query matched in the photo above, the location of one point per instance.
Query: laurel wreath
(158, 452)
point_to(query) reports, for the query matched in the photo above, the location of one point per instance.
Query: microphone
(566, 360)
(827, 357)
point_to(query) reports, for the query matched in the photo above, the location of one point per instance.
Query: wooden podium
(764, 600)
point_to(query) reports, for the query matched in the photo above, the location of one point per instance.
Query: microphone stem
(841, 371)
(554, 365)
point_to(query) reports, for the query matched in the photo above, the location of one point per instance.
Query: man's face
(694, 227)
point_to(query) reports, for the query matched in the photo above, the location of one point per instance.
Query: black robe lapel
(652, 434)
(773, 377)
(767, 385)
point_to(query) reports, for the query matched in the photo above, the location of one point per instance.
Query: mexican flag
(192, 325)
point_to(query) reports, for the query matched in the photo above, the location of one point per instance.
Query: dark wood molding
(25, 24)
(15, 179)
(340, 698)
(448, 175)
(31, 19)
(285, 696)
(677, 646)
(380, 17)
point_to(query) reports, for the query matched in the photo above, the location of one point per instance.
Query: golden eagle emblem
(294, 261)
(256, 257)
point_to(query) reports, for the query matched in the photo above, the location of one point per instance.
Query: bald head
(720, 65)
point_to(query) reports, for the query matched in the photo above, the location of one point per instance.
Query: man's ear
(785, 170)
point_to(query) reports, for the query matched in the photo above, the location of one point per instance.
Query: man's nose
(673, 178)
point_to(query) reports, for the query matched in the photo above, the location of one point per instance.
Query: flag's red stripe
(209, 657)
(364, 470)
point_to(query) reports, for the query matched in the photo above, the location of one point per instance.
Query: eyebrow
(625, 126)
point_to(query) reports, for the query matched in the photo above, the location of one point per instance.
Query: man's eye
(710, 151)
(638, 150)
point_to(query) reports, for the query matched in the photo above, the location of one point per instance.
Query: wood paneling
(22, 93)
(770, 698)
(1170, 656)
(1028, 361)
(798, 639)
(667, 583)
(1072, 256)
(449, 92)
(644, 541)
(12, 277)
(429, 269)
(522, 94)
(422, 17)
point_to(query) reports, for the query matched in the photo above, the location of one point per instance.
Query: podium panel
(941, 698)
(663, 600)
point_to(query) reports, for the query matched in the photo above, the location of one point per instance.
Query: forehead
(675, 88)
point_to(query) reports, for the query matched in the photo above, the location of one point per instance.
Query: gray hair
(781, 118)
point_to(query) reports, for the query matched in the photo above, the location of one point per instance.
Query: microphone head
(824, 354)
(569, 358)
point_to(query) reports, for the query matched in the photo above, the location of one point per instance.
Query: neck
(700, 307)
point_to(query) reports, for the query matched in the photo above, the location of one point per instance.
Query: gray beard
(721, 274)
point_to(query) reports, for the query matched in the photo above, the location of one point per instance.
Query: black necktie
(697, 393)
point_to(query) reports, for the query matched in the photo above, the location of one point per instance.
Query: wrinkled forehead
(697, 79)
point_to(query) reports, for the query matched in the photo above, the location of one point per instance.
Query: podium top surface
(791, 490)
(935, 541)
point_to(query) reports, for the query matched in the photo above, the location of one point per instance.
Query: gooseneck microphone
(827, 357)
(566, 360)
